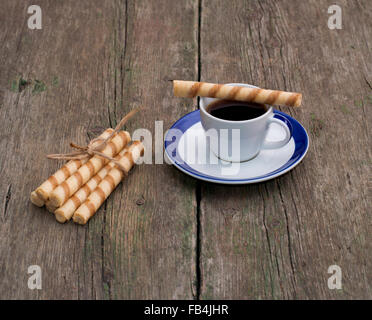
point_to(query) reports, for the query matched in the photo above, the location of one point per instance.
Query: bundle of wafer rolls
(79, 187)
(191, 89)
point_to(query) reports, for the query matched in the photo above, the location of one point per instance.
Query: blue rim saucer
(292, 156)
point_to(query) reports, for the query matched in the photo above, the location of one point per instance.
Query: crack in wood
(198, 183)
(109, 116)
(289, 238)
(77, 265)
(261, 44)
(294, 203)
(106, 279)
(267, 237)
(198, 242)
(7, 199)
(368, 83)
(124, 52)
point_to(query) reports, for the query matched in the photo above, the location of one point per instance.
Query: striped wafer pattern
(61, 175)
(108, 184)
(68, 187)
(65, 212)
(190, 89)
(45, 189)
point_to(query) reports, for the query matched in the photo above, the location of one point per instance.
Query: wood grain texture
(149, 248)
(94, 61)
(162, 234)
(276, 240)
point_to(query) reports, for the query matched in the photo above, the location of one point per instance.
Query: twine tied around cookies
(95, 146)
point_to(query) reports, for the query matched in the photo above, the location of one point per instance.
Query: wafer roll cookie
(67, 188)
(57, 178)
(65, 212)
(108, 184)
(61, 175)
(36, 200)
(190, 89)
(50, 207)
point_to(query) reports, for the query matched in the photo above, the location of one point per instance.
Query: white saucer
(188, 149)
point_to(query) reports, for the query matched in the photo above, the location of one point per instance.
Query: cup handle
(286, 125)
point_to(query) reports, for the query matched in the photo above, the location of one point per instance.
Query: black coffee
(236, 110)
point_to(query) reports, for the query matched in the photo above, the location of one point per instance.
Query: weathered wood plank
(277, 239)
(65, 56)
(150, 222)
(97, 60)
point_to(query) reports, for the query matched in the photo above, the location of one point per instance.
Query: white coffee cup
(238, 141)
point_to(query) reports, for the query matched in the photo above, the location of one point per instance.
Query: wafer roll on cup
(190, 89)
(65, 212)
(108, 184)
(41, 194)
(68, 187)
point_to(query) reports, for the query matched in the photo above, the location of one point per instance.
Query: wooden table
(162, 234)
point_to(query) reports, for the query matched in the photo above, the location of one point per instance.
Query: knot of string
(95, 146)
